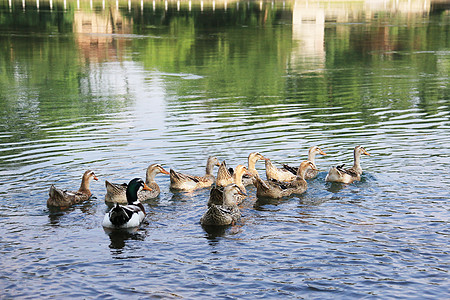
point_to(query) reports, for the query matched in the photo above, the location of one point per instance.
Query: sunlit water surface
(177, 91)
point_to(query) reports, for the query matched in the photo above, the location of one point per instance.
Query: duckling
(131, 215)
(226, 214)
(184, 182)
(276, 189)
(117, 192)
(216, 193)
(339, 174)
(288, 173)
(64, 198)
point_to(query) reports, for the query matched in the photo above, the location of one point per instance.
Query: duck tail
(56, 196)
(119, 215)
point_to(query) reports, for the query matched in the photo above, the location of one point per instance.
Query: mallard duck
(339, 174)
(117, 192)
(287, 173)
(180, 181)
(131, 215)
(64, 198)
(226, 214)
(276, 189)
(216, 193)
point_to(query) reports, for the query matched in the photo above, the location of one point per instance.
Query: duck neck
(209, 167)
(131, 196)
(150, 176)
(357, 159)
(301, 172)
(251, 165)
(237, 177)
(84, 188)
(312, 156)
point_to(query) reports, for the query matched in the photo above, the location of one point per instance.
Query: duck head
(86, 180)
(89, 175)
(134, 186)
(316, 150)
(255, 156)
(361, 150)
(153, 170)
(229, 193)
(305, 165)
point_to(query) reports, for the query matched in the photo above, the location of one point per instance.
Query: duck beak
(95, 178)
(366, 153)
(164, 171)
(146, 187)
(321, 152)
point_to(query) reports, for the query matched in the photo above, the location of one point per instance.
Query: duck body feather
(276, 189)
(121, 216)
(219, 215)
(64, 198)
(185, 182)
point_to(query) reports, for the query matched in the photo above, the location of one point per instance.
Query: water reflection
(88, 207)
(119, 237)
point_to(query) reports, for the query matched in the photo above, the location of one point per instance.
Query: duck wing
(215, 196)
(293, 170)
(176, 176)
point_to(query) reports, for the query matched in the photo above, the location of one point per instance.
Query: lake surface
(114, 86)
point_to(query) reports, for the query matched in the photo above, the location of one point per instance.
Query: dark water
(115, 86)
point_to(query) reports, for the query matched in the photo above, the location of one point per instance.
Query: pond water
(114, 86)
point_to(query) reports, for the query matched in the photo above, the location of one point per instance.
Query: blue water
(386, 236)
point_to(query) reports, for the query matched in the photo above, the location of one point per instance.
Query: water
(116, 88)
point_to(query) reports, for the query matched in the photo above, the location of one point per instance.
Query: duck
(184, 182)
(276, 189)
(253, 157)
(288, 173)
(228, 212)
(216, 193)
(224, 175)
(130, 215)
(117, 192)
(64, 198)
(339, 174)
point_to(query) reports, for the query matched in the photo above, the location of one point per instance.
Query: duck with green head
(130, 215)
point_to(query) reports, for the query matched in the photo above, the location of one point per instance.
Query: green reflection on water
(247, 54)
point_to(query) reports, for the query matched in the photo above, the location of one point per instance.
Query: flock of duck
(226, 193)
